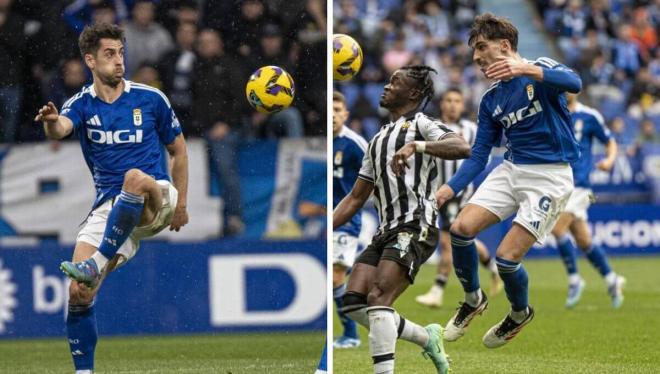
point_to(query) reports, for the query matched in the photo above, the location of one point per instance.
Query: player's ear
(505, 46)
(90, 61)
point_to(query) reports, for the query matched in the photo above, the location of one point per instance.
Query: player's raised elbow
(575, 84)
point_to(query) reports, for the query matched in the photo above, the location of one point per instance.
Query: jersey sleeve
(489, 134)
(73, 110)
(167, 124)
(432, 130)
(558, 76)
(600, 131)
(367, 169)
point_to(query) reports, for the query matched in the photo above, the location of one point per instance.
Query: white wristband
(420, 147)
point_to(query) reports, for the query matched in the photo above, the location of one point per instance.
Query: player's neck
(405, 110)
(108, 93)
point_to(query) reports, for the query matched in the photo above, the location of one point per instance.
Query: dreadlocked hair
(422, 75)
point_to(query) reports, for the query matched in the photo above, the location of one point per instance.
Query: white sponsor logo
(227, 289)
(520, 114)
(114, 137)
(640, 233)
(7, 300)
(44, 285)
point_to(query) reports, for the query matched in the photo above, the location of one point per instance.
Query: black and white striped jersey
(468, 130)
(409, 198)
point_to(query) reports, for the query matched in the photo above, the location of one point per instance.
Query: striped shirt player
(409, 199)
(448, 212)
(348, 149)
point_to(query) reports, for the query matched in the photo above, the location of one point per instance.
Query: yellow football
(346, 57)
(270, 89)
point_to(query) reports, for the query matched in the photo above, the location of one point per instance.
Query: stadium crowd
(200, 53)
(612, 44)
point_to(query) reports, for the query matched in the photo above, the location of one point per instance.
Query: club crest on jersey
(405, 125)
(403, 243)
(339, 156)
(530, 91)
(137, 117)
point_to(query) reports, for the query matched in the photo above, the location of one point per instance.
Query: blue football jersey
(532, 116)
(128, 134)
(348, 150)
(587, 125)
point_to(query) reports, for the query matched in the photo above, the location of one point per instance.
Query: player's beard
(111, 80)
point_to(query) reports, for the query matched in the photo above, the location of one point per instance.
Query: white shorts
(537, 193)
(344, 248)
(94, 227)
(579, 202)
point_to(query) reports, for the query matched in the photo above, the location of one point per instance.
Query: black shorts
(449, 212)
(408, 245)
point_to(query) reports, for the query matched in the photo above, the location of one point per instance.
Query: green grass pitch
(275, 353)
(592, 338)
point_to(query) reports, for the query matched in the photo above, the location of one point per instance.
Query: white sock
(411, 331)
(385, 367)
(382, 338)
(574, 279)
(359, 316)
(519, 316)
(100, 260)
(473, 298)
(83, 372)
(610, 278)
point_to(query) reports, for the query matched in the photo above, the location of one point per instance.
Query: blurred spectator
(176, 71)
(147, 74)
(625, 53)
(69, 82)
(218, 90)
(13, 56)
(84, 12)
(242, 34)
(146, 41)
(643, 33)
(647, 135)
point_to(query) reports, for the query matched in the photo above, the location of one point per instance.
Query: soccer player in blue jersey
(526, 102)
(587, 125)
(348, 150)
(123, 128)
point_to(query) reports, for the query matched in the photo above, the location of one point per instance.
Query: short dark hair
(338, 96)
(422, 76)
(492, 27)
(90, 39)
(452, 89)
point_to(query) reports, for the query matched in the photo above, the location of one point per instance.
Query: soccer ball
(270, 89)
(346, 57)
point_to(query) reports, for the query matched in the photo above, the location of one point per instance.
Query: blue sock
(466, 261)
(598, 259)
(323, 362)
(123, 218)
(567, 253)
(82, 334)
(515, 280)
(350, 327)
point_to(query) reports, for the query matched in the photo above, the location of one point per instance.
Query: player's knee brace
(355, 307)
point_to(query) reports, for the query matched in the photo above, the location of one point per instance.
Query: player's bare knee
(511, 254)
(378, 296)
(135, 181)
(462, 228)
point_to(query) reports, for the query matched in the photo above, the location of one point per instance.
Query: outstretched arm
(450, 147)
(551, 73)
(352, 203)
(55, 126)
(179, 163)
